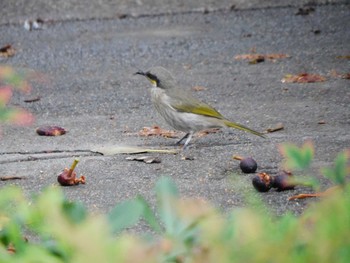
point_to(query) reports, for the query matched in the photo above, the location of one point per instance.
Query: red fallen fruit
(283, 181)
(68, 177)
(50, 131)
(262, 182)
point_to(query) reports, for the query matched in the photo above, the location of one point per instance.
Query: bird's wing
(183, 101)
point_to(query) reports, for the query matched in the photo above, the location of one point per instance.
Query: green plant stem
(73, 167)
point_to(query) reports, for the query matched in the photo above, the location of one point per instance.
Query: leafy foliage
(341, 169)
(13, 79)
(187, 230)
(297, 158)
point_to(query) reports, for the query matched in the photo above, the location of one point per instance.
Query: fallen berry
(262, 182)
(283, 181)
(247, 165)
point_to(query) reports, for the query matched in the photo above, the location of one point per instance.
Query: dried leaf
(119, 149)
(198, 88)
(335, 74)
(257, 58)
(187, 158)
(157, 131)
(50, 131)
(327, 192)
(278, 127)
(145, 159)
(252, 56)
(344, 57)
(276, 56)
(303, 78)
(7, 51)
(207, 131)
(345, 76)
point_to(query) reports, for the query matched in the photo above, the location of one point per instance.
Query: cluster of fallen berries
(263, 182)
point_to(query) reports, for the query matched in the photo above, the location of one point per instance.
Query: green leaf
(165, 187)
(338, 173)
(308, 181)
(129, 212)
(166, 193)
(56, 249)
(76, 212)
(297, 158)
(307, 153)
(149, 215)
(14, 235)
(125, 214)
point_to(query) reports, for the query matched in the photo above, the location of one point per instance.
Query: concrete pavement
(92, 92)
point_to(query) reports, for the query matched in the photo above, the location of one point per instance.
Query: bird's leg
(183, 138)
(189, 137)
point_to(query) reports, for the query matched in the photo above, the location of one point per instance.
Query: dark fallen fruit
(283, 181)
(50, 131)
(262, 182)
(247, 165)
(68, 177)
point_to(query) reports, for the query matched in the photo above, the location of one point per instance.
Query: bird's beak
(140, 73)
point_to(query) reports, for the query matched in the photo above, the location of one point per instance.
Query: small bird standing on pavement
(181, 110)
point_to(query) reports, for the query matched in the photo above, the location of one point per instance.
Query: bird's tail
(243, 128)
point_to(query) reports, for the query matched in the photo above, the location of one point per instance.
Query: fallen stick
(327, 192)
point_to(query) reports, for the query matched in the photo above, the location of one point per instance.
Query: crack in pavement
(11, 157)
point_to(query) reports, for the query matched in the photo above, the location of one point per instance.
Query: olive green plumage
(181, 110)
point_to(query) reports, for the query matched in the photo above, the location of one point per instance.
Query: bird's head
(159, 77)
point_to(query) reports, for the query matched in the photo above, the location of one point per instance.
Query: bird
(181, 110)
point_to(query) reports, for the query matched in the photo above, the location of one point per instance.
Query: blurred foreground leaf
(11, 78)
(125, 214)
(297, 158)
(193, 230)
(166, 194)
(76, 212)
(341, 169)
